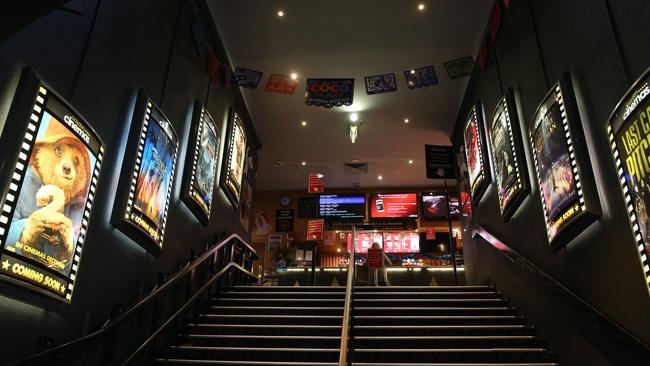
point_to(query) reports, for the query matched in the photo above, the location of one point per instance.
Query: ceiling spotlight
(421, 6)
(319, 175)
(412, 71)
(303, 163)
(410, 161)
(354, 117)
(380, 177)
(294, 76)
(406, 120)
(280, 13)
(303, 123)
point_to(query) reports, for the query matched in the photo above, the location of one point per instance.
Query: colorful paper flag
(421, 77)
(247, 78)
(377, 84)
(280, 84)
(329, 93)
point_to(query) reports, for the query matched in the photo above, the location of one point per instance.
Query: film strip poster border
(474, 125)
(27, 271)
(131, 214)
(579, 212)
(233, 169)
(621, 119)
(194, 198)
(518, 189)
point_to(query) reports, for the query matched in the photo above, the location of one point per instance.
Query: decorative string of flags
(334, 92)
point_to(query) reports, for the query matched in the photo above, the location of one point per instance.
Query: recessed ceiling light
(303, 123)
(354, 117)
(410, 161)
(319, 175)
(303, 163)
(406, 120)
(421, 6)
(280, 13)
(294, 76)
(380, 177)
(412, 71)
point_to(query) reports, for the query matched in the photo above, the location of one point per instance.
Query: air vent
(278, 164)
(355, 168)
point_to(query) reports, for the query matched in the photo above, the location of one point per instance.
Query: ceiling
(350, 39)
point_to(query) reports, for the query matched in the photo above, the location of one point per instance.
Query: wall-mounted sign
(629, 133)
(440, 162)
(146, 180)
(315, 183)
(53, 159)
(476, 153)
(431, 233)
(329, 93)
(235, 154)
(201, 164)
(284, 220)
(315, 229)
(566, 185)
(510, 173)
(275, 240)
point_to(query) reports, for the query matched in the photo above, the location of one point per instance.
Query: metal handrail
(112, 323)
(347, 311)
(517, 258)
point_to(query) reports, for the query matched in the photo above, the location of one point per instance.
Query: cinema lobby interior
(322, 183)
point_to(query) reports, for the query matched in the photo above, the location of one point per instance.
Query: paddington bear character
(51, 201)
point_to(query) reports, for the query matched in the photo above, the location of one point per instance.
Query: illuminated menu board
(567, 188)
(339, 206)
(629, 133)
(393, 205)
(404, 242)
(365, 240)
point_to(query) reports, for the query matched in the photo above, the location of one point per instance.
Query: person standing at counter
(377, 260)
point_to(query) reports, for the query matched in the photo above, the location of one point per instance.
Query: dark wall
(603, 46)
(97, 54)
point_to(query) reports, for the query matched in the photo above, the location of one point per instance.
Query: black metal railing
(596, 322)
(133, 336)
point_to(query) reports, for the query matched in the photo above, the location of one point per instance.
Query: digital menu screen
(365, 240)
(434, 206)
(401, 242)
(48, 202)
(339, 206)
(393, 205)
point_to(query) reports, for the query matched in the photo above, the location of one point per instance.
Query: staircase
(467, 325)
(393, 326)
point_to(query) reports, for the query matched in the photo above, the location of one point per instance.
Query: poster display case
(628, 129)
(201, 164)
(476, 153)
(147, 174)
(236, 151)
(52, 162)
(510, 173)
(566, 183)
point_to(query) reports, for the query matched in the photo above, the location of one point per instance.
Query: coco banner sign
(329, 93)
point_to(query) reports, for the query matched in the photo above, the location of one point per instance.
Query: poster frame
(234, 196)
(144, 107)
(587, 200)
(201, 118)
(24, 119)
(480, 185)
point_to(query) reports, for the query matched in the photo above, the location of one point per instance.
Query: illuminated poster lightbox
(567, 188)
(235, 154)
(510, 172)
(476, 154)
(201, 164)
(147, 176)
(53, 163)
(629, 135)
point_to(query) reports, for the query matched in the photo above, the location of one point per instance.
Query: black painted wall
(603, 44)
(97, 54)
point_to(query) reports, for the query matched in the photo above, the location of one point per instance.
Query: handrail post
(345, 352)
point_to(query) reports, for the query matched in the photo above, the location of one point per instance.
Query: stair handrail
(156, 291)
(516, 257)
(347, 311)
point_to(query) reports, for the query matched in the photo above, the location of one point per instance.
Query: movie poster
(629, 133)
(47, 207)
(474, 153)
(236, 159)
(504, 135)
(202, 168)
